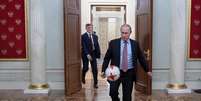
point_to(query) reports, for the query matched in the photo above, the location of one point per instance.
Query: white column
(178, 43)
(37, 49)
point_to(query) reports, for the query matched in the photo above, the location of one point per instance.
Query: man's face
(125, 33)
(89, 29)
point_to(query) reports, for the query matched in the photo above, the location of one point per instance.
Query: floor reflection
(88, 93)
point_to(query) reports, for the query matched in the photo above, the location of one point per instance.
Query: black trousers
(126, 78)
(93, 67)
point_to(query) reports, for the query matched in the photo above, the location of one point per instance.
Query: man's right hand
(103, 75)
(89, 57)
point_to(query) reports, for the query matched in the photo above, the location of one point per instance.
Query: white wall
(161, 42)
(53, 10)
(54, 29)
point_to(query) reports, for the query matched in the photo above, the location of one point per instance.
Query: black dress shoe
(198, 91)
(83, 81)
(95, 86)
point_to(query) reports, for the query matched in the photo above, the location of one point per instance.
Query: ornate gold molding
(38, 86)
(176, 86)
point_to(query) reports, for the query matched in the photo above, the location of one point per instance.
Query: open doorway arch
(107, 20)
(72, 43)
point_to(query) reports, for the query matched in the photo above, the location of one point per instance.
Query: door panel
(144, 37)
(72, 44)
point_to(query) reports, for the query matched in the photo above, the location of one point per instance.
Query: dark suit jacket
(113, 55)
(85, 45)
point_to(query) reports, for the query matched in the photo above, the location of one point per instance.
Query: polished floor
(88, 93)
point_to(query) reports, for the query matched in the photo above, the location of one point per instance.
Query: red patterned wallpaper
(195, 30)
(13, 39)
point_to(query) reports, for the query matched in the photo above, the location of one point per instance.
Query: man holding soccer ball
(123, 53)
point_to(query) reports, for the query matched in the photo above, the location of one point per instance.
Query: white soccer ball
(112, 73)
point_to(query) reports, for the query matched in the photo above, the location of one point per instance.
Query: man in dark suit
(90, 51)
(124, 53)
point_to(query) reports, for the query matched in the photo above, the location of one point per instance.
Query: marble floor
(88, 93)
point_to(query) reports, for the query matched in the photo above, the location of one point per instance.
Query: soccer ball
(112, 73)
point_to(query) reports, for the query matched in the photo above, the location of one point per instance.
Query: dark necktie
(124, 65)
(90, 43)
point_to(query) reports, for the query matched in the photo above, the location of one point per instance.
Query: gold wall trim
(38, 86)
(176, 86)
(189, 25)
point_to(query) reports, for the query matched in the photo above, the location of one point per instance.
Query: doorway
(72, 31)
(107, 20)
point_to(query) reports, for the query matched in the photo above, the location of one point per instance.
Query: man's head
(125, 31)
(89, 28)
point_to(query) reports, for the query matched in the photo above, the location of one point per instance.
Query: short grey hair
(126, 25)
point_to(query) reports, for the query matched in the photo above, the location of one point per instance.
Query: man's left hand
(149, 73)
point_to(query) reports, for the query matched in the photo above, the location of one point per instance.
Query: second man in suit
(90, 51)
